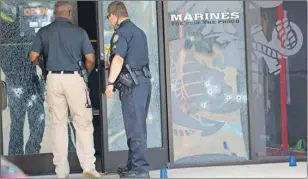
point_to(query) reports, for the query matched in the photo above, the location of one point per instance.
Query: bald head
(63, 9)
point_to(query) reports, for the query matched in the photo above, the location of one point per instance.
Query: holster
(124, 80)
(42, 65)
(83, 72)
(128, 78)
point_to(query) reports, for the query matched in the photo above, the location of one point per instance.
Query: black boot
(122, 169)
(134, 174)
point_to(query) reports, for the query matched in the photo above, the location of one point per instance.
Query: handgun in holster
(118, 86)
(128, 80)
(123, 81)
(82, 71)
(42, 65)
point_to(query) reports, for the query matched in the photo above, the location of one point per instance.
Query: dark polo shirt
(62, 44)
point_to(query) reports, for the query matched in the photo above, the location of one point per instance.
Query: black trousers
(26, 99)
(135, 105)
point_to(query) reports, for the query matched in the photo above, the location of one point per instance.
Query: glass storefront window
(207, 73)
(25, 123)
(144, 15)
(278, 58)
(208, 81)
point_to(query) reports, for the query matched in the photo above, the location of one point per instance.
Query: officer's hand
(109, 91)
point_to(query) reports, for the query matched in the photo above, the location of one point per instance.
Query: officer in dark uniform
(129, 73)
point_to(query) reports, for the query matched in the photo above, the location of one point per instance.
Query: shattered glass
(25, 121)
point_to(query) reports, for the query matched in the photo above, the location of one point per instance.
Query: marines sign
(210, 18)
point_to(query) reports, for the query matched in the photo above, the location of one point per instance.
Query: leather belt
(63, 72)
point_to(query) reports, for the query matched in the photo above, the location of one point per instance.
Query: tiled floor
(280, 170)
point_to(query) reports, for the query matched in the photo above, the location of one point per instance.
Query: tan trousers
(63, 91)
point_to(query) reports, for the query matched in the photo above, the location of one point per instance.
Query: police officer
(129, 47)
(63, 45)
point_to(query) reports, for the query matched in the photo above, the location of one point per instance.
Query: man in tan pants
(62, 46)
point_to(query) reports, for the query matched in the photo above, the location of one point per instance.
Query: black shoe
(134, 174)
(122, 169)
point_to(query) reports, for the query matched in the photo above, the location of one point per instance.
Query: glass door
(25, 128)
(145, 15)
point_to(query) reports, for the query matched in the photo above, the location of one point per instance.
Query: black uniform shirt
(130, 42)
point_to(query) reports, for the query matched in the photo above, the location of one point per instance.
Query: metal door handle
(3, 95)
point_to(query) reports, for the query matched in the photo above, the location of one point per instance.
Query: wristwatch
(109, 83)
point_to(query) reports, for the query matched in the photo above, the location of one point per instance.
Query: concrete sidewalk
(280, 170)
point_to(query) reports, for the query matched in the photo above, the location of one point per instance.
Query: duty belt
(143, 72)
(138, 72)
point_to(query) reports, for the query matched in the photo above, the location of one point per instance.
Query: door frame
(1, 99)
(112, 160)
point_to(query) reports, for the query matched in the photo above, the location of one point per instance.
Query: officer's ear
(70, 13)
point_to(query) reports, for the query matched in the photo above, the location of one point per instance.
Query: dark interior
(87, 20)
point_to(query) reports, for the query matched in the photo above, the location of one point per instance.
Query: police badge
(115, 38)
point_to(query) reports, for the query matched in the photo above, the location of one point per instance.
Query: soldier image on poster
(19, 22)
(25, 93)
(208, 82)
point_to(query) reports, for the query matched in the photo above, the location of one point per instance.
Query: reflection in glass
(25, 121)
(279, 76)
(143, 14)
(208, 82)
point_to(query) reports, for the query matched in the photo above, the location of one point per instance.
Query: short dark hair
(117, 8)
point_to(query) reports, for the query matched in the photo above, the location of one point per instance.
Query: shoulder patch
(115, 38)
